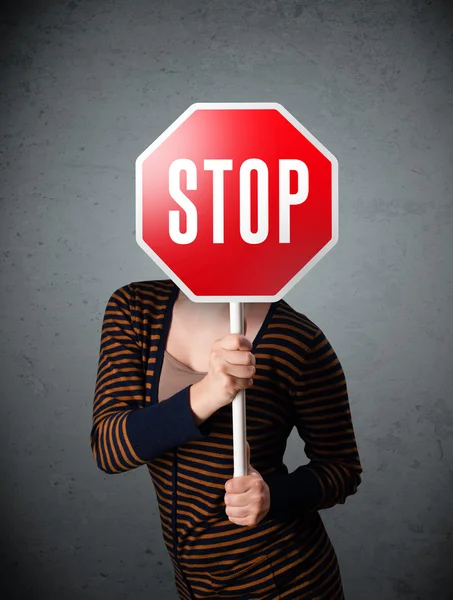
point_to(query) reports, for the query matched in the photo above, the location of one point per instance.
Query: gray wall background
(86, 86)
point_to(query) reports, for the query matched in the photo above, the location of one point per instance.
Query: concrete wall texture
(86, 86)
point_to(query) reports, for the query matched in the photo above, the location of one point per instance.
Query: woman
(168, 371)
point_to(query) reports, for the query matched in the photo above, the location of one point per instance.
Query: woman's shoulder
(140, 296)
(156, 287)
(150, 287)
(300, 324)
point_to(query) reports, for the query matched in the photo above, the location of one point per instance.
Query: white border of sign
(231, 106)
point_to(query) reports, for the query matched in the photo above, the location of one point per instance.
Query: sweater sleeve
(323, 421)
(125, 433)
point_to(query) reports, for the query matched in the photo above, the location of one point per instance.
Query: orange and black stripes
(299, 382)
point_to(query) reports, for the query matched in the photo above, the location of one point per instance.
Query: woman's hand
(231, 368)
(247, 499)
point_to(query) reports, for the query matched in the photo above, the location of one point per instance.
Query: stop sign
(236, 202)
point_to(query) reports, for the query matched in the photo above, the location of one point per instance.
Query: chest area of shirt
(191, 343)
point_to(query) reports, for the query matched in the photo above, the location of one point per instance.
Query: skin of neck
(209, 310)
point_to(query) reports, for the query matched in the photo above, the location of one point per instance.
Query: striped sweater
(299, 382)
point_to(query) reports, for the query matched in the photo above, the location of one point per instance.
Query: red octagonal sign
(236, 202)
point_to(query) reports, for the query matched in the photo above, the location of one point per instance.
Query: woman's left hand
(247, 499)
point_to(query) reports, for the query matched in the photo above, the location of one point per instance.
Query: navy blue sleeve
(291, 493)
(155, 429)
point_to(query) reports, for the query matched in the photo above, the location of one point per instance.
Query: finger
(239, 485)
(244, 522)
(238, 499)
(243, 364)
(237, 512)
(235, 342)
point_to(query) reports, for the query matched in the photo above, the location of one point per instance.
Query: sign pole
(238, 404)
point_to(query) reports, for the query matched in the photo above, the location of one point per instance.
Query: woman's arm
(323, 420)
(125, 433)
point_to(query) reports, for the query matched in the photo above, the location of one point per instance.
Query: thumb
(250, 469)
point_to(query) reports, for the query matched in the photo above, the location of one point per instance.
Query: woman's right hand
(231, 369)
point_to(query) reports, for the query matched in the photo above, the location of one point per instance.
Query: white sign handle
(238, 404)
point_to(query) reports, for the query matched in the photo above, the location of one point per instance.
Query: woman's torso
(216, 556)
